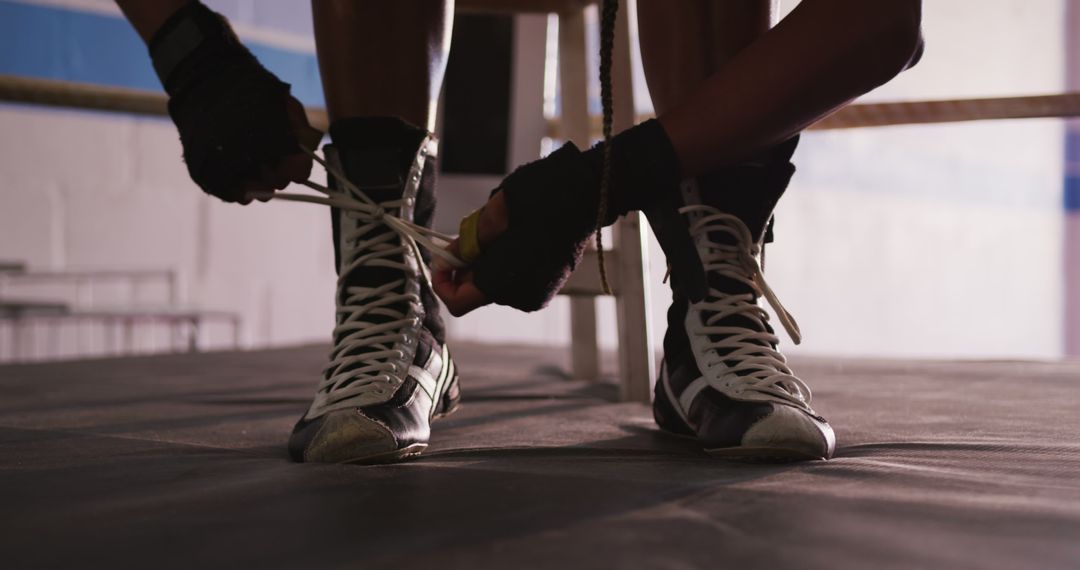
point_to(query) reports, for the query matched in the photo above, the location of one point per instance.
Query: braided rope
(609, 10)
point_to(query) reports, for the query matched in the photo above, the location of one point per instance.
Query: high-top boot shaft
(748, 190)
(389, 373)
(723, 379)
(751, 189)
(377, 154)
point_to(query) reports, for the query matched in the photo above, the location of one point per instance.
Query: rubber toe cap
(792, 433)
(341, 437)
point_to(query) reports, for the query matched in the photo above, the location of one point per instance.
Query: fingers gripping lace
(758, 366)
(365, 359)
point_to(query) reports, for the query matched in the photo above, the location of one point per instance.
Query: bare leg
(821, 56)
(715, 37)
(383, 58)
(683, 43)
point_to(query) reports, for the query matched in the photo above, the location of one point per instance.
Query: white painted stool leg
(637, 356)
(573, 82)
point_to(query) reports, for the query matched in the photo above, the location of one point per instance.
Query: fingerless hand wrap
(552, 205)
(230, 111)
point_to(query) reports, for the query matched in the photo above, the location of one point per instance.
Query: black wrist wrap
(552, 205)
(230, 111)
(643, 167)
(552, 208)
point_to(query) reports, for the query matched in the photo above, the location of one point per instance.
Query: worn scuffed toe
(786, 433)
(347, 436)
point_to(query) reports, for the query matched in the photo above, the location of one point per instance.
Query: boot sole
(750, 454)
(394, 456)
(763, 454)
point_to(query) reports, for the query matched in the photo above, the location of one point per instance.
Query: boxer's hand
(239, 136)
(455, 286)
(295, 167)
(237, 121)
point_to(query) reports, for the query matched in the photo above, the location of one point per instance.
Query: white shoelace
(758, 366)
(364, 360)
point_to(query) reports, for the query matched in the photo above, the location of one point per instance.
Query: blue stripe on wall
(1072, 143)
(53, 43)
(1072, 193)
(1072, 176)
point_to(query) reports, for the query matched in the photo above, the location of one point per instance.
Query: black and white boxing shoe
(390, 372)
(723, 380)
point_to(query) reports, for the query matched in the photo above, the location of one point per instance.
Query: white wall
(938, 240)
(941, 240)
(93, 190)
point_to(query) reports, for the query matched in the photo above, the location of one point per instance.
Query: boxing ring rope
(950, 111)
(14, 89)
(861, 115)
(96, 97)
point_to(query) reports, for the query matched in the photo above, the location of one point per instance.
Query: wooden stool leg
(573, 82)
(584, 352)
(637, 356)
